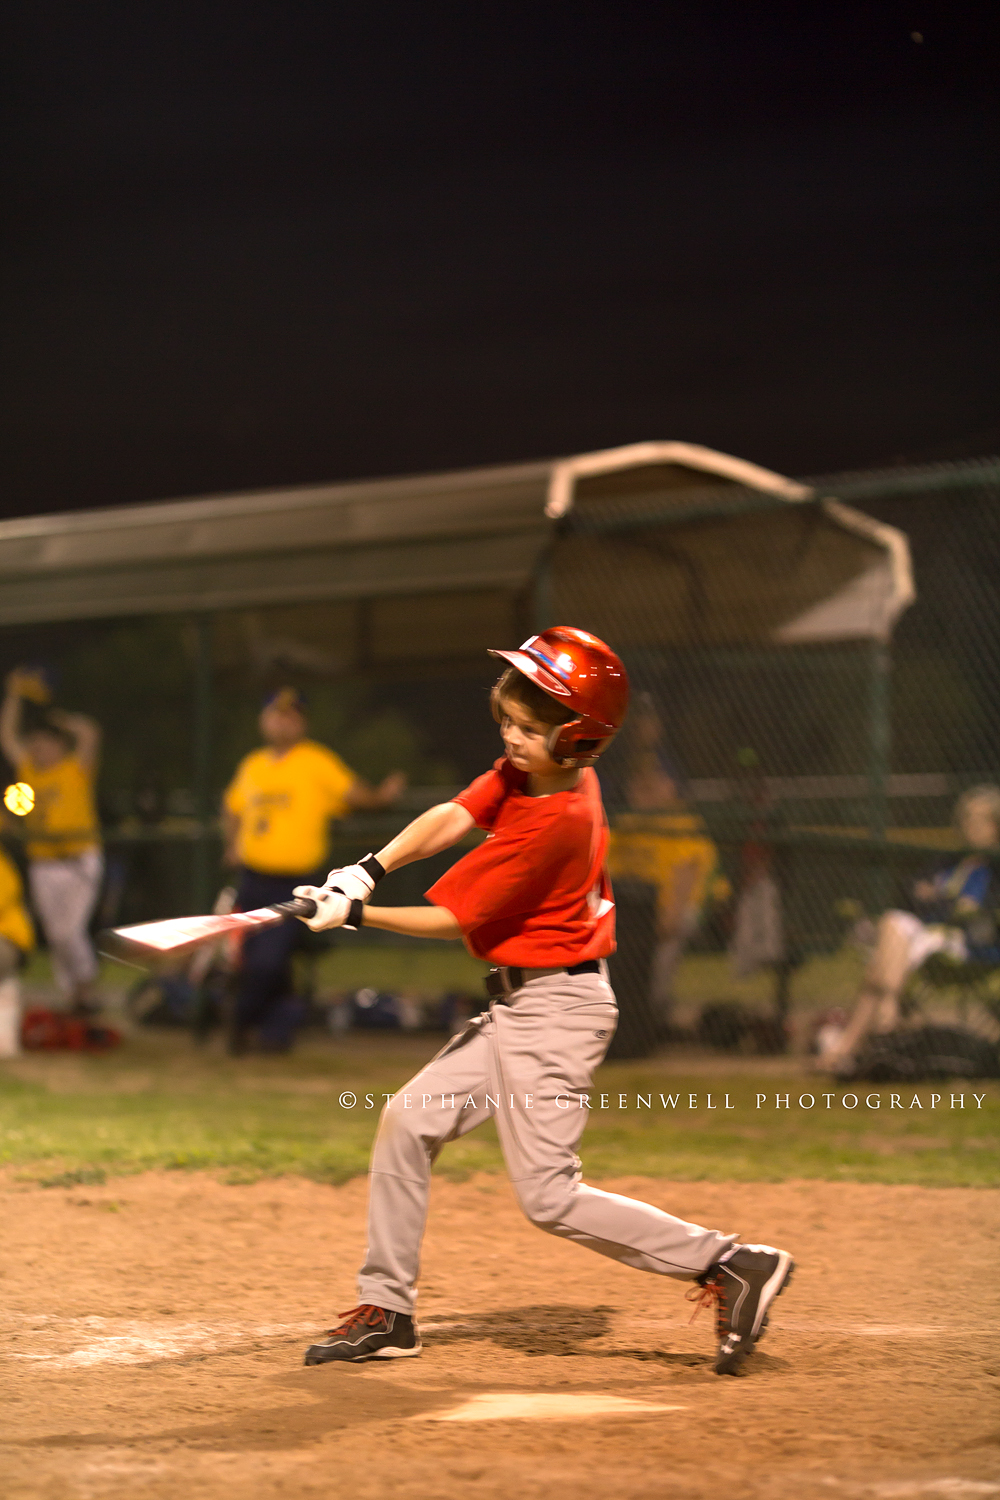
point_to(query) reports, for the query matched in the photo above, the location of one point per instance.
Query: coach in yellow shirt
(277, 812)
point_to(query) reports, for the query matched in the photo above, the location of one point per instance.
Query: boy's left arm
(413, 921)
(436, 829)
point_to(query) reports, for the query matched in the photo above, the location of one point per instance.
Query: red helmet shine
(584, 675)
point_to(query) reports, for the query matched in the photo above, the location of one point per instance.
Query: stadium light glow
(19, 798)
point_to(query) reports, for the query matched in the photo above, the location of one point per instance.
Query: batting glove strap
(354, 916)
(356, 882)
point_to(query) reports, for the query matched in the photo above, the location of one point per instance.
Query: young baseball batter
(535, 900)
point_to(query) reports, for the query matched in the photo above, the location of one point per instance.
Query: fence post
(541, 592)
(879, 745)
(201, 884)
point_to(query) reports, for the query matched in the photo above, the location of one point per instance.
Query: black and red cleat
(742, 1289)
(367, 1333)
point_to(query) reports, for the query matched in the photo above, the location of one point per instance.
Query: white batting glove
(332, 908)
(356, 882)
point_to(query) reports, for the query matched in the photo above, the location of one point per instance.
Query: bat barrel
(152, 942)
(112, 943)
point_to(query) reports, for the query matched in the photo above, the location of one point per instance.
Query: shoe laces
(365, 1316)
(708, 1294)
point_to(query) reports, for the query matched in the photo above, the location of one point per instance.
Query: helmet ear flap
(569, 748)
(559, 732)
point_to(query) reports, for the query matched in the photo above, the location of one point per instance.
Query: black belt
(504, 981)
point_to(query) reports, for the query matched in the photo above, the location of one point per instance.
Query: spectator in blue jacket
(954, 912)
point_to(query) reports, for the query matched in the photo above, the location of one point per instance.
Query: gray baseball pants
(65, 892)
(523, 1064)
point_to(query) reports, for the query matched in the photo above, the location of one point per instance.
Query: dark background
(256, 244)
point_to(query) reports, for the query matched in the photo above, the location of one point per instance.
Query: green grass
(157, 1102)
(823, 980)
(432, 969)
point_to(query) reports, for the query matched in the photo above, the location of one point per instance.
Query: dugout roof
(767, 558)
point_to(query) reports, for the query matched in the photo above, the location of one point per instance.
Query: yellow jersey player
(277, 812)
(17, 938)
(58, 758)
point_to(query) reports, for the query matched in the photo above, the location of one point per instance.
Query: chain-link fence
(789, 769)
(771, 799)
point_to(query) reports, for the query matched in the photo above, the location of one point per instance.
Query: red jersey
(536, 894)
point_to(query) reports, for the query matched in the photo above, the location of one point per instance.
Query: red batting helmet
(583, 675)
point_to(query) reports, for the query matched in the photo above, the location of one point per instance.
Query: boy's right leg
(432, 1108)
(63, 892)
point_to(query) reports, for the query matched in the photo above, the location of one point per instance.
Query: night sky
(259, 244)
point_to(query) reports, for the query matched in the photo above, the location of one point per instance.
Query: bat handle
(301, 906)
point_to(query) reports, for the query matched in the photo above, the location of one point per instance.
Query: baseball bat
(145, 942)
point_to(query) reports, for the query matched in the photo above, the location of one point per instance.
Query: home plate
(511, 1406)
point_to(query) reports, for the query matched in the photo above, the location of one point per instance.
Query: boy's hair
(287, 699)
(513, 686)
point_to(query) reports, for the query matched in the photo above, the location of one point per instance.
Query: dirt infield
(152, 1327)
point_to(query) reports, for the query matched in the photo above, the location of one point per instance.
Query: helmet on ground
(585, 677)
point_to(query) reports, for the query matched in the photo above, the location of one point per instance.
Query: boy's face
(525, 740)
(45, 749)
(281, 727)
(979, 825)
